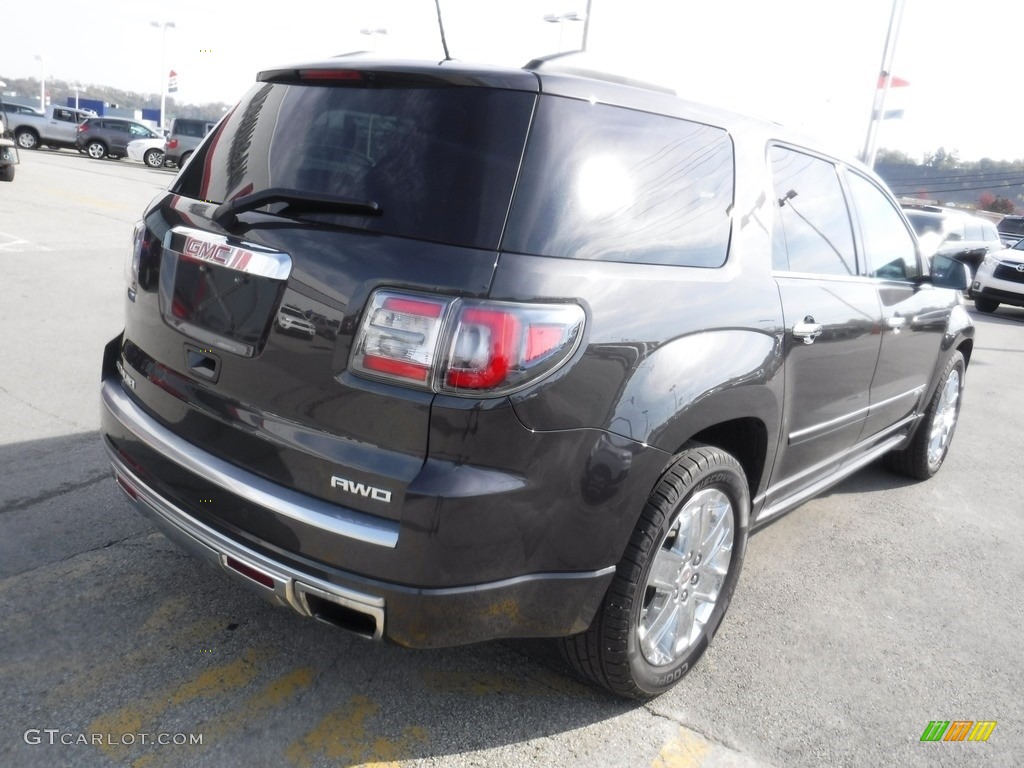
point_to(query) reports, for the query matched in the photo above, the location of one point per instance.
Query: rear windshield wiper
(226, 214)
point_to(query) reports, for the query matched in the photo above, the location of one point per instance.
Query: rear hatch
(251, 276)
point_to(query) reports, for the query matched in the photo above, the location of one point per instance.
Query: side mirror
(949, 273)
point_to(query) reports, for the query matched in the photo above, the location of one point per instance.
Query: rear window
(924, 223)
(440, 162)
(193, 128)
(613, 184)
(1012, 226)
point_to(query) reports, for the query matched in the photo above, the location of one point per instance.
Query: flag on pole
(894, 82)
(172, 82)
(885, 80)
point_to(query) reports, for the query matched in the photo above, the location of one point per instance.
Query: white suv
(1000, 279)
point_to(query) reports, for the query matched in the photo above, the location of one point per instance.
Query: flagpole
(885, 77)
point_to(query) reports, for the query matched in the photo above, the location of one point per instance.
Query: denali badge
(377, 494)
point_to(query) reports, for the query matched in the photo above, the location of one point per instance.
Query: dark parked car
(8, 149)
(958, 235)
(1011, 229)
(100, 137)
(589, 336)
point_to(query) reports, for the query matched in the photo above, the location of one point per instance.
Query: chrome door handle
(808, 330)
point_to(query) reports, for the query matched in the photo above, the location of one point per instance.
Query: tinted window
(601, 182)
(812, 215)
(955, 228)
(924, 223)
(194, 128)
(440, 162)
(889, 248)
(1012, 225)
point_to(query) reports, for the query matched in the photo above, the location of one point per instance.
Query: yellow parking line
(343, 736)
(278, 692)
(686, 750)
(131, 719)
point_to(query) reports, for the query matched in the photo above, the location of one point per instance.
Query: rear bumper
(533, 605)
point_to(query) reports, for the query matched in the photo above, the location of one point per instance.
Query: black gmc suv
(573, 339)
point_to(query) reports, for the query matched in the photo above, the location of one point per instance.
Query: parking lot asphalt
(859, 618)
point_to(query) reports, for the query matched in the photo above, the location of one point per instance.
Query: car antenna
(440, 25)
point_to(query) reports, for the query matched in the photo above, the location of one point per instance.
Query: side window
(627, 186)
(990, 232)
(954, 229)
(974, 231)
(811, 214)
(63, 115)
(890, 251)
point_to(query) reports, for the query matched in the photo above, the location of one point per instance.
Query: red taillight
(81, 128)
(486, 344)
(172, 144)
(461, 346)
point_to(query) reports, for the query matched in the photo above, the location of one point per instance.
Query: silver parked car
(1000, 279)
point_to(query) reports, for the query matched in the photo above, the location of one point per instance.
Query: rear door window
(613, 184)
(811, 216)
(439, 161)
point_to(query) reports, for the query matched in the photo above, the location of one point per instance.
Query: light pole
(163, 66)
(884, 81)
(372, 32)
(42, 82)
(77, 87)
(560, 19)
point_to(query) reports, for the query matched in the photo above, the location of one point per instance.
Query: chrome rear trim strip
(292, 504)
(289, 585)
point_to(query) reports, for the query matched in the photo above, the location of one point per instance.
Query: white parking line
(14, 243)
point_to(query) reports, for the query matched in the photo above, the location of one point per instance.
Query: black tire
(7, 173)
(97, 150)
(927, 450)
(616, 651)
(986, 305)
(154, 158)
(27, 139)
(184, 159)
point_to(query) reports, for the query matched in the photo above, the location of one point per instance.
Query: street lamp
(560, 19)
(42, 82)
(373, 31)
(163, 66)
(77, 87)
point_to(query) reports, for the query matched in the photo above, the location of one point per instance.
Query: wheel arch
(746, 439)
(22, 129)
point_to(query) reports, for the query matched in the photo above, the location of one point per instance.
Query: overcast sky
(812, 64)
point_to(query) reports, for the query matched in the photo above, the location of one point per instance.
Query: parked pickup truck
(56, 127)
